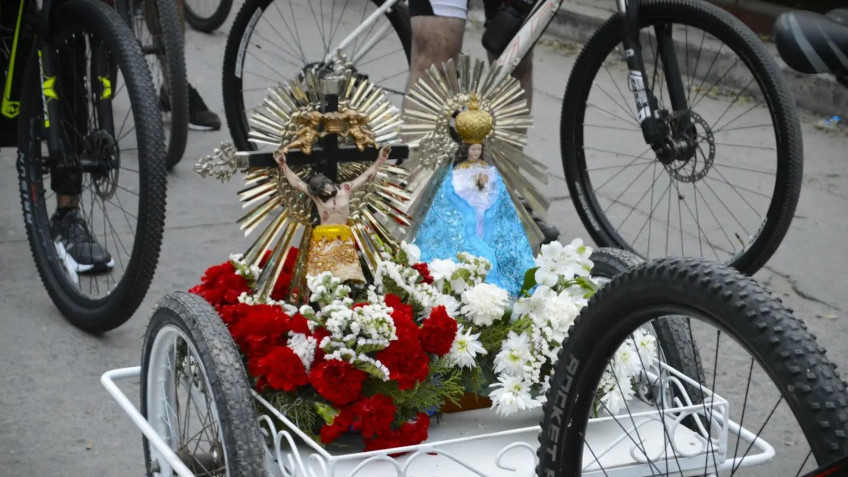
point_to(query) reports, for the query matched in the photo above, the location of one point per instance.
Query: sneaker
(199, 116)
(75, 245)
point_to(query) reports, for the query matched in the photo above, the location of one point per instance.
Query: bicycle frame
(101, 87)
(664, 143)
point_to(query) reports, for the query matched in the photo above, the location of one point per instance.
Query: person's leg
(437, 29)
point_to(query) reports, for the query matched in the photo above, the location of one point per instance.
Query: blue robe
(463, 218)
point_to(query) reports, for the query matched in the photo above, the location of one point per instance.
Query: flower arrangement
(380, 362)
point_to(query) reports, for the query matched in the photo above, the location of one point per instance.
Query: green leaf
(529, 281)
(326, 412)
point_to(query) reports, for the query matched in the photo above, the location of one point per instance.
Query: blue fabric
(449, 227)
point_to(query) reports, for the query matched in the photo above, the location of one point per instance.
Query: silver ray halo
(434, 101)
(283, 216)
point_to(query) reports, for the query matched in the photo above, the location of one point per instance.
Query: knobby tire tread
(227, 378)
(781, 344)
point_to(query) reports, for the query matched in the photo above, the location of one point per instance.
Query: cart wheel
(195, 393)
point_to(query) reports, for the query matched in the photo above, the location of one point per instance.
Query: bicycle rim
(768, 401)
(273, 41)
(733, 198)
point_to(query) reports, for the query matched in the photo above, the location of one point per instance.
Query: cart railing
(481, 443)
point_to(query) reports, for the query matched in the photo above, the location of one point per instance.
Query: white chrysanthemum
(514, 355)
(626, 364)
(413, 253)
(304, 347)
(555, 261)
(512, 394)
(646, 345)
(561, 315)
(465, 348)
(450, 303)
(484, 303)
(536, 306)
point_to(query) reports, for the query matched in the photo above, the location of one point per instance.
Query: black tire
(198, 331)
(156, 25)
(788, 361)
(673, 337)
(743, 234)
(252, 15)
(201, 19)
(98, 302)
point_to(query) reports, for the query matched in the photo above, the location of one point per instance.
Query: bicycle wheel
(195, 394)
(773, 404)
(206, 15)
(113, 147)
(273, 41)
(674, 340)
(156, 25)
(731, 193)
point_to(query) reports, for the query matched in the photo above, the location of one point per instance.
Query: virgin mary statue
(473, 212)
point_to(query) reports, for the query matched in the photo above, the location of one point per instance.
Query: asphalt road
(55, 419)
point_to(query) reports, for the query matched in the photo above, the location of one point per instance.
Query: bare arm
(293, 178)
(371, 171)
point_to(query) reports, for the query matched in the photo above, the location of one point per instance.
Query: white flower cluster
(632, 357)
(392, 275)
(557, 262)
(451, 277)
(354, 332)
(546, 317)
(251, 273)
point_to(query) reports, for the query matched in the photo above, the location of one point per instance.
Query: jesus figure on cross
(332, 248)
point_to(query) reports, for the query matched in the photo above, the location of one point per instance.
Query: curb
(820, 95)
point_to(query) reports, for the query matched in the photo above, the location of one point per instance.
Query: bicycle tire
(750, 248)
(243, 28)
(723, 298)
(674, 339)
(96, 315)
(208, 23)
(168, 70)
(190, 319)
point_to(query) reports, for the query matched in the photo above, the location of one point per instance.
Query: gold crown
(473, 125)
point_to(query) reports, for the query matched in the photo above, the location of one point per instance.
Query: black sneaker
(199, 116)
(75, 245)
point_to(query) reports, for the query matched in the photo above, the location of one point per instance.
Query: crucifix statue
(332, 247)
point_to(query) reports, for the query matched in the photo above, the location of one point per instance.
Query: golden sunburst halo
(447, 91)
(283, 217)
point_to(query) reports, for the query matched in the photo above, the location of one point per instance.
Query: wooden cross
(326, 157)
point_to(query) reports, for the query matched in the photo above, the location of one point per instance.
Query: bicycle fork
(667, 145)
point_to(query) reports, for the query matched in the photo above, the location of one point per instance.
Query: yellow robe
(332, 249)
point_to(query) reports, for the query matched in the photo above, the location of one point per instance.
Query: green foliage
(492, 337)
(444, 383)
(298, 407)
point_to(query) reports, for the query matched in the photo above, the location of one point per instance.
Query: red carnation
(341, 424)
(280, 369)
(438, 332)
(260, 327)
(424, 271)
(403, 319)
(298, 324)
(374, 415)
(337, 381)
(410, 433)
(212, 273)
(407, 362)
